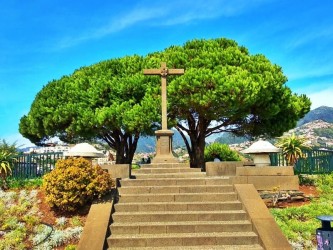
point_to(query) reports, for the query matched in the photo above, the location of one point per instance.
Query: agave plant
(8, 147)
(292, 148)
(5, 168)
(7, 151)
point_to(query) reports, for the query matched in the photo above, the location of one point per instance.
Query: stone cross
(164, 72)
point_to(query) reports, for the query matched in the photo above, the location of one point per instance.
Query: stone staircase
(171, 206)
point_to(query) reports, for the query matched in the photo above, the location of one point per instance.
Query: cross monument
(164, 136)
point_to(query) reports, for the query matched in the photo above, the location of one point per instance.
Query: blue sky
(44, 40)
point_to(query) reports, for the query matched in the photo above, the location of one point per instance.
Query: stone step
(165, 170)
(178, 206)
(159, 216)
(174, 181)
(175, 189)
(171, 206)
(169, 175)
(188, 239)
(178, 197)
(166, 165)
(180, 227)
(224, 247)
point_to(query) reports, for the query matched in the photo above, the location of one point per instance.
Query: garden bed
(50, 216)
(28, 222)
(289, 198)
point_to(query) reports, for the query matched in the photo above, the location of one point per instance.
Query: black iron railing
(313, 162)
(34, 165)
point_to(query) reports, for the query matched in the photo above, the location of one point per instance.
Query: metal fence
(314, 162)
(34, 165)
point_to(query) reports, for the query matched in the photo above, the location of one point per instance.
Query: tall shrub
(74, 182)
(220, 151)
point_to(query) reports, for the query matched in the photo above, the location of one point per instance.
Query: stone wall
(96, 228)
(227, 168)
(263, 178)
(118, 170)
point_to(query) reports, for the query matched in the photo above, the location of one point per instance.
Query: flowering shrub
(74, 182)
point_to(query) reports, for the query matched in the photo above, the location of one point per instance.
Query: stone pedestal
(261, 160)
(164, 147)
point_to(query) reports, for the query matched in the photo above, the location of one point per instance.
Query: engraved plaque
(164, 144)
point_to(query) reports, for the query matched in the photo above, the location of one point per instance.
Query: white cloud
(160, 14)
(310, 36)
(200, 10)
(116, 24)
(20, 141)
(315, 70)
(321, 98)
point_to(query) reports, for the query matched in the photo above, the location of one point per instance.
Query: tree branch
(109, 140)
(184, 138)
(181, 127)
(191, 121)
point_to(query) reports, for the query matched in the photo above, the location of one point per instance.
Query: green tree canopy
(111, 100)
(225, 89)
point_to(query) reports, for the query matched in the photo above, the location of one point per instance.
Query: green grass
(299, 224)
(25, 183)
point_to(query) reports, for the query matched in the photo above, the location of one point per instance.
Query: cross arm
(176, 71)
(163, 71)
(152, 71)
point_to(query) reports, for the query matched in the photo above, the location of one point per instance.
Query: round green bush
(74, 182)
(220, 151)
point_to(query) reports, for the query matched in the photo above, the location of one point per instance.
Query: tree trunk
(120, 159)
(197, 157)
(197, 132)
(124, 145)
(133, 142)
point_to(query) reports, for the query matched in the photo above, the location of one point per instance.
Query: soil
(308, 193)
(49, 215)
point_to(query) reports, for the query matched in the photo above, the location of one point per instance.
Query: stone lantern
(260, 151)
(84, 150)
